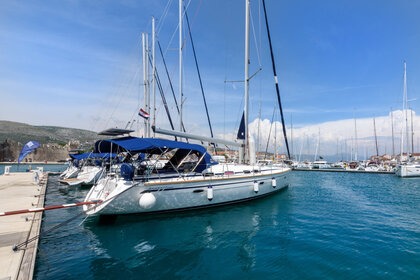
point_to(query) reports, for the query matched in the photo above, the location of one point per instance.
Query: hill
(56, 142)
(21, 132)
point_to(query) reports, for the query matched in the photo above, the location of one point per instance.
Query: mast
(392, 131)
(291, 136)
(412, 132)
(355, 140)
(376, 138)
(404, 108)
(154, 73)
(181, 97)
(317, 144)
(144, 38)
(245, 155)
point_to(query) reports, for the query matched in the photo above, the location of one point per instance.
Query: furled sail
(241, 130)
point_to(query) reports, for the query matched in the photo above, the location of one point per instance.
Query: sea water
(26, 167)
(324, 226)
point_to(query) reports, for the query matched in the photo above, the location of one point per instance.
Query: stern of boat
(105, 191)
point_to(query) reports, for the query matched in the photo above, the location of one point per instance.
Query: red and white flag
(144, 114)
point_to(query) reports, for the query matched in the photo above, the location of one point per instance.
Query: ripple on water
(324, 226)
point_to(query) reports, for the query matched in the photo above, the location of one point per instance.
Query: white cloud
(339, 136)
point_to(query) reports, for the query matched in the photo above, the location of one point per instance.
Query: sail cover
(27, 149)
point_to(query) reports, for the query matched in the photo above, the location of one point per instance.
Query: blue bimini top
(135, 145)
(92, 156)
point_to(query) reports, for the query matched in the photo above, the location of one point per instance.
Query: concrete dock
(20, 191)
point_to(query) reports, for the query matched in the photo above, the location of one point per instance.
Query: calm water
(25, 167)
(324, 226)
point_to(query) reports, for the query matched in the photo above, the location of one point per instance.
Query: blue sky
(78, 63)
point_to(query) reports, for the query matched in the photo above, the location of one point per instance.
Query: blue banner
(27, 149)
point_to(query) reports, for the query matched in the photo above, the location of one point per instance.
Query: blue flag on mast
(27, 149)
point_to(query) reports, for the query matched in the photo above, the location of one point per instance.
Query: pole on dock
(52, 207)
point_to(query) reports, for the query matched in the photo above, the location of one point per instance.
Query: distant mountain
(56, 142)
(21, 132)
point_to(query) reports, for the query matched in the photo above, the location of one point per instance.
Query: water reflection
(199, 241)
(318, 224)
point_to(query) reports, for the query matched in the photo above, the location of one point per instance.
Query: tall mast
(180, 64)
(145, 50)
(412, 132)
(246, 80)
(154, 72)
(376, 137)
(392, 131)
(404, 108)
(355, 140)
(317, 144)
(291, 135)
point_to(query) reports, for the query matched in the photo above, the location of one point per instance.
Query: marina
(358, 218)
(334, 225)
(343, 170)
(225, 147)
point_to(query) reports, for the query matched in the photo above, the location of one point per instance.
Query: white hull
(129, 197)
(409, 170)
(70, 172)
(88, 176)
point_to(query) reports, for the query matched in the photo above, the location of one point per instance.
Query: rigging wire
(276, 81)
(170, 81)
(163, 16)
(255, 40)
(199, 75)
(162, 94)
(269, 133)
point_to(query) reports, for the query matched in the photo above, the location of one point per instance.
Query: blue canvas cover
(134, 145)
(92, 156)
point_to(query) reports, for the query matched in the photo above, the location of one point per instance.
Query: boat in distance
(85, 169)
(410, 169)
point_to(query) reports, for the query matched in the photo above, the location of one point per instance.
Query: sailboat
(409, 168)
(190, 177)
(91, 169)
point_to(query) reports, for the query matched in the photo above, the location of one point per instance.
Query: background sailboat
(407, 167)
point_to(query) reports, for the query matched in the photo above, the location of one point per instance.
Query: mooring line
(18, 246)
